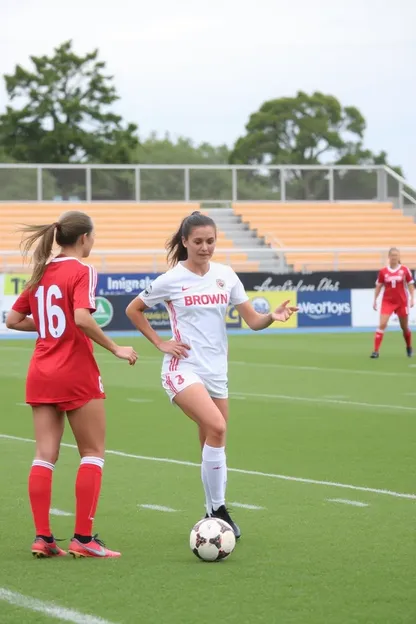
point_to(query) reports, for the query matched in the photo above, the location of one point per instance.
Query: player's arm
(84, 305)
(377, 290)
(18, 317)
(257, 321)
(135, 312)
(20, 322)
(411, 287)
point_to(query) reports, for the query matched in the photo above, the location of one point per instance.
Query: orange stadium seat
(326, 226)
(120, 227)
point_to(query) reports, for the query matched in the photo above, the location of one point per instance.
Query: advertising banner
(124, 284)
(266, 302)
(363, 314)
(321, 309)
(309, 282)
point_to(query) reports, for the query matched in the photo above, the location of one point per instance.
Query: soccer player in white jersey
(196, 293)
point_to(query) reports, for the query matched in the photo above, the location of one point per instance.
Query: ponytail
(175, 247)
(45, 234)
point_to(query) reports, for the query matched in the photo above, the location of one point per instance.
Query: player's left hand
(284, 312)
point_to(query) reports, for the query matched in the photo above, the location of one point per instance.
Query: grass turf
(301, 406)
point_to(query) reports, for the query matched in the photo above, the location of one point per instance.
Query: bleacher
(327, 226)
(119, 227)
(132, 236)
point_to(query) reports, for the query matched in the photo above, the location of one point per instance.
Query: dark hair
(66, 231)
(176, 249)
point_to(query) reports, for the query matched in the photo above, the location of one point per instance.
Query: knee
(218, 430)
(50, 455)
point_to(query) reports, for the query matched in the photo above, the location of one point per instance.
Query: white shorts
(173, 383)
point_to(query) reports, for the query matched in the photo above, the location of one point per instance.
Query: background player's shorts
(388, 308)
(68, 406)
(173, 383)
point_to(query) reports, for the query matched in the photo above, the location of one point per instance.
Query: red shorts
(388, 308)
(68, 406)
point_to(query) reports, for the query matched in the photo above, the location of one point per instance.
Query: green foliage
(66, 113)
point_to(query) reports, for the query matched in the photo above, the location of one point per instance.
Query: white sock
(215, 467)
(208, 501)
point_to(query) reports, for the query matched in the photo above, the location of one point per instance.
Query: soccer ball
(212, 539)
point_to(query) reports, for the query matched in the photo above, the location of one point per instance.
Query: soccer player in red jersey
(63, 375)
(398, 295)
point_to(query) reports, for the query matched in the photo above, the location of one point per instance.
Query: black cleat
(223, 514)
(375, 355)
(409, 351)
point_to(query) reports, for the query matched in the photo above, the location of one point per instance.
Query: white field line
(319, 369)
(254, 473)
(22, 404)
(140, 400)
(158, 508)
(246, 506)
(48, 608)
(59, 512)
(335, 396)
(346, 501)
(287, 397)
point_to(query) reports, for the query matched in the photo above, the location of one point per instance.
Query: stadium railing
(202, 183)
(325, 259)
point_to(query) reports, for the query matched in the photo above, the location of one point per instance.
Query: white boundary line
(319, 369)
(48, 608)
(254, 473)
(246, 506)
(346, 501)
(59, 512)
(287, 397)
(158, 508)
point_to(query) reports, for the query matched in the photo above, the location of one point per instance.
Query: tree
(66, 113)
(305, 130)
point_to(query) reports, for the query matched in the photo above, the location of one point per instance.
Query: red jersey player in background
(63, 375)
(398, 295)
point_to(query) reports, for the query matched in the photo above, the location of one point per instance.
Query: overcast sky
(199, 69)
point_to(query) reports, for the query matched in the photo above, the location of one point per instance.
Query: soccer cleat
(375, 355)
(223, 514)
(42, 549)
(409, 351)
(94, 548)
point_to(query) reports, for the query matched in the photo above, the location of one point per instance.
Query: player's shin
(87, 492)
(40, 493)
(407, 335)
(378, 339)
(204, 478)
(214, 464)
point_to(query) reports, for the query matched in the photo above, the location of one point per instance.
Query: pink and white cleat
(94, 548)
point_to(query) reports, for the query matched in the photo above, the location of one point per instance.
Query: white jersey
(197, 307)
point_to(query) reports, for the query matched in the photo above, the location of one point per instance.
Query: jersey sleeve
(22, 303)
(238, 294)
(380, 278)
(409, 276)
(84, 288)
(157, 292)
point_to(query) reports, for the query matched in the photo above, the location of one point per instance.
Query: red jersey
(63, 367)
(395, 284)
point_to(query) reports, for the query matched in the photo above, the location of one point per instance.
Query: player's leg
(88, 426)
(378, 338)
(49, 426)
(222, 405)
(407, 334)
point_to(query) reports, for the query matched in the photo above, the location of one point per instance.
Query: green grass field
(313, 407)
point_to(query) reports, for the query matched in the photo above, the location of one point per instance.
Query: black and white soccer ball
(212, 539)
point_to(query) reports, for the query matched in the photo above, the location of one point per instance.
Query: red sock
(378, 339)
(408, 338)
(40, 493)
(87, 492)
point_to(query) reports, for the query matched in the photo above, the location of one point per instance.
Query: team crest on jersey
(148, 290)
(220, 283)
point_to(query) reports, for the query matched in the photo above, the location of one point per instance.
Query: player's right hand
(178, 349)
(126, 353)
(375, 306)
